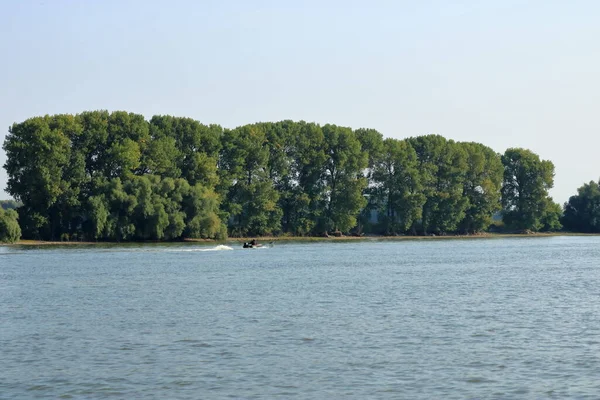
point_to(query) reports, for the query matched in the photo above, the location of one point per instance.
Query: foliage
(371, 142)
(303, 202)
(250, 197)
(525, 201)
(582, 211)
(10, 231)
(342, 179)
(481, 186)
(551, 217)
(442, 164)
(398, 191)
(182, 147)
(115, 176)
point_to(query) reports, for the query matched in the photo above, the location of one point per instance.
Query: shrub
(10, 231)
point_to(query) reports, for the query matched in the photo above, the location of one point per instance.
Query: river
(498, 318)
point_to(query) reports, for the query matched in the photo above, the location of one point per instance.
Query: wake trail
(220, 247)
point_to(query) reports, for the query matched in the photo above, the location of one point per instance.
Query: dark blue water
(452, 319)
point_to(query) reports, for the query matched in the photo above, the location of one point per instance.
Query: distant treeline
(115, 176)
(9, 204)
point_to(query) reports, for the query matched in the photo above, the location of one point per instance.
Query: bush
(10, 231)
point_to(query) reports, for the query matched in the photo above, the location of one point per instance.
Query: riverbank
(263, 239)
(266, 239)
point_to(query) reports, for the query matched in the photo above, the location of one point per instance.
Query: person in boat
(251, 244)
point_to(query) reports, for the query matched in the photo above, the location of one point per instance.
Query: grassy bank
(266, 239)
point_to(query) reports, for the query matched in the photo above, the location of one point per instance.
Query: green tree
(582, 211)
(201, 206)
(160, 158)
(343, 178)
(97, 213)
(38, 156)
(113, 176)
(397, 187)
(371, 142)
(552, 215)
(281, 138)
(119, 225)
(250, 198)
(93, 142)
(10, 231)
(303, 202)
(527, 180)
(151, 208)
(149, 216)
(481, 186)
(189, 148)
(128, 137)
(442, 164)
(116, 176)
(66, 212)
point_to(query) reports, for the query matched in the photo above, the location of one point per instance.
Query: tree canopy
(582, 211)
(525, 199)
(10, 231)
(102, 175)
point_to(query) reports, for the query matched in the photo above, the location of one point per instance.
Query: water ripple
(510, 318)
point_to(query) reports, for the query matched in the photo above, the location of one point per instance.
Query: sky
(502, 73)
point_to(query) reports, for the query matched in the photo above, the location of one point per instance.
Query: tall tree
(128, 137)
(116, 176)
(201, 205)
(38, 157)
(343, 177)
(371, 142)
(481, 186)
(250, 198)
(161, 156)
(303, 203)
(527, 180)
(189, 148)
(442, 164)
(281, 138)
(397, 186)
(582, 211)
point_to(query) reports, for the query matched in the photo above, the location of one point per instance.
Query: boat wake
(220, 247)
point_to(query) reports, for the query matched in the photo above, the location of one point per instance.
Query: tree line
(116, 176)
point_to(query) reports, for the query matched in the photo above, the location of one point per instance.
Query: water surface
(454, 319)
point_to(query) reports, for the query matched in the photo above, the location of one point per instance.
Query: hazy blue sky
(502, 73)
